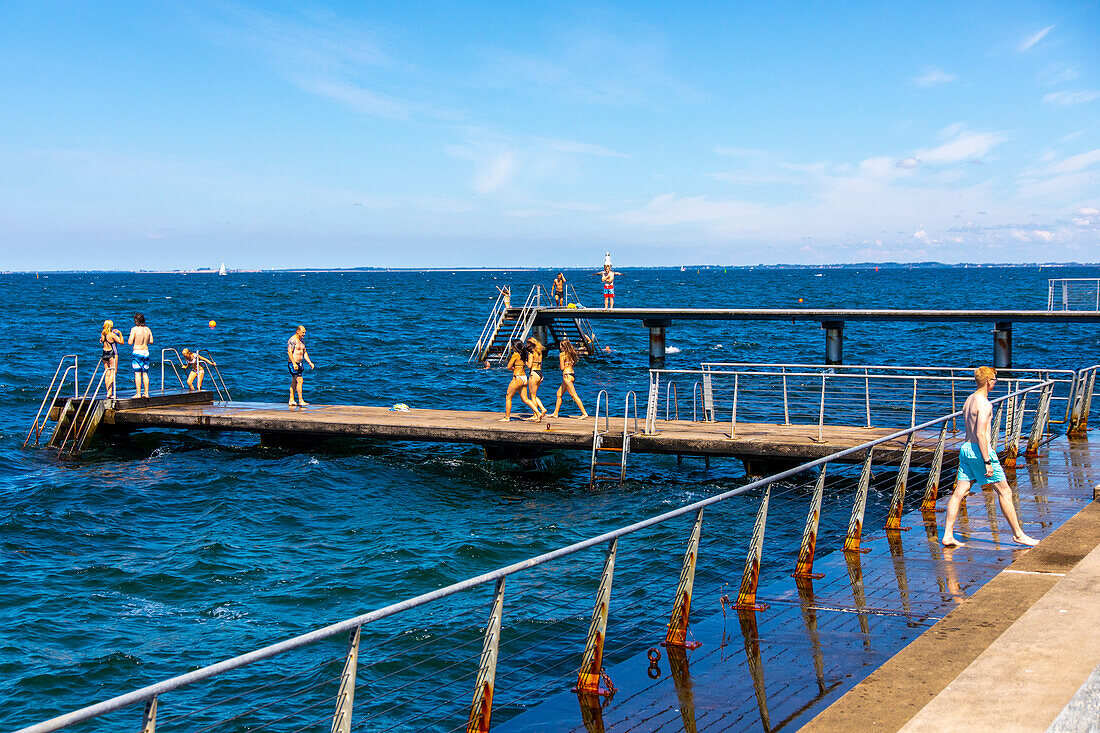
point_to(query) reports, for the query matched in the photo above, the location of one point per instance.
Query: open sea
(166, 551)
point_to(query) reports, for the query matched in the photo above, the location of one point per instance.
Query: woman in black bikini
(109, 338)
(535, 352)
(517, 363)
(567, 358)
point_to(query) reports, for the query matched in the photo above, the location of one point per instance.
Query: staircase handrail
(36, 427)
(216, 376)
(490, 328)
(589, 335)
(526, 318)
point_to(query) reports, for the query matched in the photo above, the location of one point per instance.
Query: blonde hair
(107, 326)
(567, 348)
(984, 374)
(187, 352)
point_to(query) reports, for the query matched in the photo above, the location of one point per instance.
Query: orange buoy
(213, 324)
(800, 300)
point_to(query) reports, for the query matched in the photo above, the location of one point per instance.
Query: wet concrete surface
(779, 668)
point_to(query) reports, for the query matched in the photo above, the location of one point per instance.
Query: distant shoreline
(321, 270)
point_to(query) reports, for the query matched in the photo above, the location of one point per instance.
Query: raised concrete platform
(795, 443)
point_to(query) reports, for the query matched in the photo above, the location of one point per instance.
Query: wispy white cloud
(353, 96)
(1067, 98)
(1058, 74)
(1075, 163)
(933, 78)
(1033, 39)
(962, 146)
(572, 146)
(908, 163)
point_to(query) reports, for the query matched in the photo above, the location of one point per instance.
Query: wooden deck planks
(750, 440)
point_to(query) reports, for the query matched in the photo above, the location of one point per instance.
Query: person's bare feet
(583, 416)
(505, 419)
(554, 415)
(952, 542)
(533, 418)
(291, 404)
(303, 404)
(1025, 540)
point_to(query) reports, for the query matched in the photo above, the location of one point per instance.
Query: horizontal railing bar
(325, 632)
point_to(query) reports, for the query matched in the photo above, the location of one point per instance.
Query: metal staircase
(603, 441)
(507, 322)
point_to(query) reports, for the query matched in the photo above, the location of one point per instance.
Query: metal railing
(84, 409)
(492, 325)
(525, 320)
(587, 332)
(1081, 404)
(418, 659)
(789, 394)
(1073, 294)
(165, 360)
(52, 393)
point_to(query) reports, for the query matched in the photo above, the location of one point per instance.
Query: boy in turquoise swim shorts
(978, 462)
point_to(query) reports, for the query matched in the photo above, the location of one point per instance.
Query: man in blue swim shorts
(296, 354)
(140, 338)
(978, 462)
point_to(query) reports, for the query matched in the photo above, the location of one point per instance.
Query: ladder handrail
(85, 425)
(80, 402)
(626, 414)
(697, 387)
(162, 361)
(602, 397)
(216, 376)
(675, 401)
(496, 315)
(36, 428)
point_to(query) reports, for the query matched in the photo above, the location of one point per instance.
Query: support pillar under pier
(1002, 345)
(834, 341)
(656, 342)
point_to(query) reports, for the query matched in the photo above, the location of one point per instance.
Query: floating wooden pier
(750, 441)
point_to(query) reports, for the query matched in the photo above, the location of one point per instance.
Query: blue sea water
(160, 553)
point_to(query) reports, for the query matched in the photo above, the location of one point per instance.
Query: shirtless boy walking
(295, 354)
(140, 338)
(978, 463)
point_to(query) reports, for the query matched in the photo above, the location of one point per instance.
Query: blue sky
(165, 135)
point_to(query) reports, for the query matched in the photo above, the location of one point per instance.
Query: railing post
(591, 672)
(995, 429)
(481, 711)
(1077, 399)
(1012, 437)
(149, 717)
(804, 568)
(932, 488)
(733, 416)
(786, 410)
(913, 414)
(855, 524)
(750, 577)
(867, 395)
(1088, 382)
(1039, 425)
(708, 397)
(821, 411)
(893, 519)
(345, 697)
(681, 608)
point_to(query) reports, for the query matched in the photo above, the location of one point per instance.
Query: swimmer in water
(567, 358)
(517, 364)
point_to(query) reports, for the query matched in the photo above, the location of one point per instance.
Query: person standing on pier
(978, 463)
(140, 338)
(558, 290)
(109, 338)
(517, 363)
(535, 352)
(295, 354)
(607, 276)
(567, 359)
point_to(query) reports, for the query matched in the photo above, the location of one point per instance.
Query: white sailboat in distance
(221, 270)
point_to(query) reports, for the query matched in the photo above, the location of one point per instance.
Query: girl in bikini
(517, 363)
(194, 362)
(567, 358)
(535, 352)
(109, 338)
